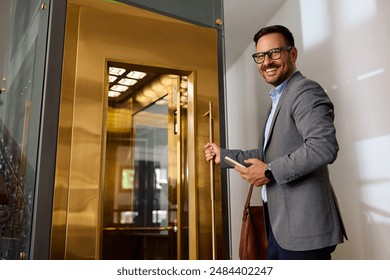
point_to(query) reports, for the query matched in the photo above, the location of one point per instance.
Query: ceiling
(242, 19)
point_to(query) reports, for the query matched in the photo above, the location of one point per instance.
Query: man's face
(276, 71)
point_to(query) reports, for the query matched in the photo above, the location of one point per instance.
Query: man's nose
(267, 59)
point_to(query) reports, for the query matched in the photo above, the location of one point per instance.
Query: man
(303, 220)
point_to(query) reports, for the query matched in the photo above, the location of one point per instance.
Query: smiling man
(302, 216)
(276, 64)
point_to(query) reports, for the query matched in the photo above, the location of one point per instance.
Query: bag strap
(248, 199)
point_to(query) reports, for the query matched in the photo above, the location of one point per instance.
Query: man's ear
(294, 54)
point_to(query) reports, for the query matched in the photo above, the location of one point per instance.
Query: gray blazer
(302, 205)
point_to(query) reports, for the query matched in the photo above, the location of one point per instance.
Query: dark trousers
(275, 252)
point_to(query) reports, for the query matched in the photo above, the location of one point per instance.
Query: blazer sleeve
(238, 155)
(310, 111)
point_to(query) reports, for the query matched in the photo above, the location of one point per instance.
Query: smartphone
(232, 162)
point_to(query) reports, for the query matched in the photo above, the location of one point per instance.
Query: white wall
(344, 45)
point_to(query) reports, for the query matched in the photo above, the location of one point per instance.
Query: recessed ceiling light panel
(116, 71)
(136, 75)
(127, 82)
(119, 88)
(111, 78)
(112, 93)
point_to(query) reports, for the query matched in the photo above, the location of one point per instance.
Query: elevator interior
(145, 168)
(131, 180)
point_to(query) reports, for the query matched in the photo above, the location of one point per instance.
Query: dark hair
(276, 29)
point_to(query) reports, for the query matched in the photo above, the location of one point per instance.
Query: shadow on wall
(372, 159)
(376, 230)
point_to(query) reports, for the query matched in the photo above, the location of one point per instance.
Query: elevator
(131, 181)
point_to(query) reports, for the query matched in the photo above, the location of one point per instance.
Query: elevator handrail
(170, 228)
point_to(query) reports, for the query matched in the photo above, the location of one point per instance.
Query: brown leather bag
(253, 240)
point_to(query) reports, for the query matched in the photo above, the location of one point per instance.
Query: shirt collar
(276, 92)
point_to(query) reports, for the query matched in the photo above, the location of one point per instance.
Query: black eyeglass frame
(270, 52)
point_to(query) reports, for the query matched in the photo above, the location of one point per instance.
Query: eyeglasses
(273, 54)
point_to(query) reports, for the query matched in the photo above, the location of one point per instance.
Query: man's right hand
(212, 151)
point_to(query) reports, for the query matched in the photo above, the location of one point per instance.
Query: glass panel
(150, 204)
(138, 201)
(20, 107)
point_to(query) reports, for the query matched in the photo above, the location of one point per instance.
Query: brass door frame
(98, 31)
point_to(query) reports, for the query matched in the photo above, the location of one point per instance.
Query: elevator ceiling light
(127, 79)
(112, 93)
(127, 82)
(119, 88)
(136, 75)
(112, 78)
(116, 71)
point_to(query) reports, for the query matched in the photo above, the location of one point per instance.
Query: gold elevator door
(131, 179)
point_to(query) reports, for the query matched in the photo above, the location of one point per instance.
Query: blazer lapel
(277, 110)
(271, 129)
